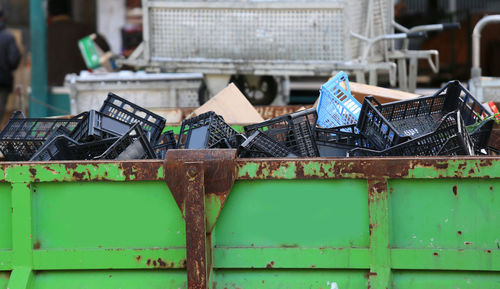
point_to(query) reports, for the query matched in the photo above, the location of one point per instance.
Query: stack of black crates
(450, 122)
(119, 130)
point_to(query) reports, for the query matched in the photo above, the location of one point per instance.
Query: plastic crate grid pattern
(338, 141)
(416, 117)
(375, 128)
(218, 129)
(124, 110)
(22, 137)
(449, 138)
(260, 145)
(136, 134)
(96, 125)
(167, 141)
(231, 33)
(345, 135)
(390, 124)
(481, 136)
(63, 147)
(294, 131)
(336, 105)
(472, 111)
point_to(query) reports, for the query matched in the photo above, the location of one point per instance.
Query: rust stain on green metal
(213, 207)
(475, 168)
(369, 168)
(432, 221)
(2, 174)
(161, 173)
(277, 169)
(85, 171)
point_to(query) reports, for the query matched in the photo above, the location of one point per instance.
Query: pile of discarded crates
(119, 130)
(450, 122)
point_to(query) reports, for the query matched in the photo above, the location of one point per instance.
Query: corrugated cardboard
(232, 105)
(382, 95)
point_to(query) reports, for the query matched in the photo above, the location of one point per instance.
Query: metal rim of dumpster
(195, 171)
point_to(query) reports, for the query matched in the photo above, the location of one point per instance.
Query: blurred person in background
(63, 33)
(9, 60)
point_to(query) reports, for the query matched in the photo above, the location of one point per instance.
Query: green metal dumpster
(203, 219)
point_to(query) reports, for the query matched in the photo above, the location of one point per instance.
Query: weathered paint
(219, 175)
(365, 168)
(290, 223)
(194, 212)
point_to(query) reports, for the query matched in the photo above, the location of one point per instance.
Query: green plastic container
(284, 223)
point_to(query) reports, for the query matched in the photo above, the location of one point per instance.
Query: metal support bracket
(200, 181)
(21, 278)
(380, 275)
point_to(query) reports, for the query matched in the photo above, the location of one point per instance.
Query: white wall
(110, 20)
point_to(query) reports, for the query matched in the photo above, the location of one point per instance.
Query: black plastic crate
(259, 145)
(481, 136)
(386, 125)
(294, 131)
(63, 147)
(96, 126)
(208, 130)
(128, 112)
(338, 141)
(167, 141)
(472, 112)
(22, 137)
(131, 146)
(449, 138)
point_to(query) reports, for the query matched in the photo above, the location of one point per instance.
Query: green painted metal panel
(4, 279)
(445, 280)
(291, 279)
(290, 223)
(124, 279)
(352, 258)
(450, 259)
(106, 215)
(460, 213)
(293, 213)
(5, 217)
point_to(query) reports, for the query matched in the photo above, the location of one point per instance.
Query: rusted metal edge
(66, 171)
(219, 170)
(368, 168)
(246, 169)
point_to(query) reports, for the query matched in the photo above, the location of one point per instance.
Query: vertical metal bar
(38, 38)
(373, 76)
(195, 226)
(22, 240)
(360, 76)
(21, 278)
(412, 80)
(146, 30)
(380, 259)
(403, 82)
